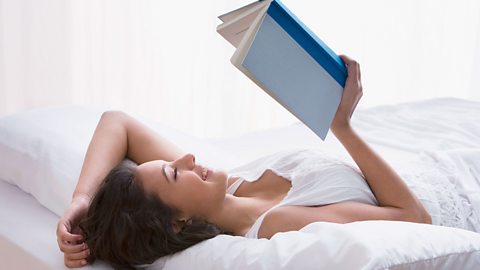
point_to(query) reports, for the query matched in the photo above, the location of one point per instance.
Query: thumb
(346, 59)
(352, 67)
(63, 225)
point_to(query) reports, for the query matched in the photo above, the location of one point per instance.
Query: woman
(170, 202)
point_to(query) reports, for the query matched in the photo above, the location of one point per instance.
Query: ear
(179, 224)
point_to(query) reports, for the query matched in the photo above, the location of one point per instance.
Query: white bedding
(27, 233)
(450, 131)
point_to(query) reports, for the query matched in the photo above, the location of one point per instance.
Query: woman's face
(180, 185)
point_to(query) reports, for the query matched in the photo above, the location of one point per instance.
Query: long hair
(126, 226)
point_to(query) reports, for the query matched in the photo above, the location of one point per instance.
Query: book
(286, 60)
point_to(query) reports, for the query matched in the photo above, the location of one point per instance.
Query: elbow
(112, 114)
(426, 218)
(418, 216)
(114, 117)
(423, 217)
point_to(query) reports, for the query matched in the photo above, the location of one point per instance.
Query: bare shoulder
(293, 218)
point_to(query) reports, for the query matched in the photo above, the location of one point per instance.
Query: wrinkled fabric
(447, 183)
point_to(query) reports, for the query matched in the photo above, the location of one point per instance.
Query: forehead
(150, 165)
(149, 171)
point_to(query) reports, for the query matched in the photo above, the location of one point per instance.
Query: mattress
(27, 233)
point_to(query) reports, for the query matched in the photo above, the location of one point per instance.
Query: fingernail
(84, 262)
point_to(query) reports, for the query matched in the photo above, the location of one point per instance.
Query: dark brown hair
(125, 226)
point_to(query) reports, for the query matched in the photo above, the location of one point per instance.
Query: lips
(204, 173)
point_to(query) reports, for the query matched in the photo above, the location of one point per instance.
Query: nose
(188, 160)
(190, 157)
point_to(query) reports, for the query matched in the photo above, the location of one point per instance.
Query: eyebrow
(165, 174)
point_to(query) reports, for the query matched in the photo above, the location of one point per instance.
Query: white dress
(319, 178)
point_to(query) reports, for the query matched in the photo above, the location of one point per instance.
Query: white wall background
(165, 60)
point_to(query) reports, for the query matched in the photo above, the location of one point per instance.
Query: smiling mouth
(204, 173)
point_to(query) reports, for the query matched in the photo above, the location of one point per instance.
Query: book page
(237, 12)
(246, 41)
(234, 30)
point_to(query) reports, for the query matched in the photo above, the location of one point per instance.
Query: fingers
(63, 233)
(75, 263)
(78, 255)
(68, 237)
(67, 242)
(353, 67)
(346, 59)
(70, 248)
(75, 255)
(359, 73)
(349, 62)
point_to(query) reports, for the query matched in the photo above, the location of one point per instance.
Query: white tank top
(317, 178)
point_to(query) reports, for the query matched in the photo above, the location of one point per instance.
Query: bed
(41, 152)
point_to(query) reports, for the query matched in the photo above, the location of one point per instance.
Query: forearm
(106, 149)
(386, 184)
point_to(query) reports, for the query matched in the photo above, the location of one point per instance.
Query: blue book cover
(287, 60)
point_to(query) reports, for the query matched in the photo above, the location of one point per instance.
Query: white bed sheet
(398, 132)
(27, 233)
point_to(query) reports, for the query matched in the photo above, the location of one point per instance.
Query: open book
(288, 61)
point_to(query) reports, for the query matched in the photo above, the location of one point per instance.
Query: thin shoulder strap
(253, 232)
(231, 189)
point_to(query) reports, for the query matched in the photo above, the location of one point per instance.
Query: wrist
(340, 129)
(84, 197)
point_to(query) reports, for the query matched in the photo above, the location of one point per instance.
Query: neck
(236, 214)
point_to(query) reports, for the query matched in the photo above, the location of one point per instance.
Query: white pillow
(323, 245)
(42, 150)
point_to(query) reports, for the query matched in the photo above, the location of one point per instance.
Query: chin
(219, 176)
(219, 184)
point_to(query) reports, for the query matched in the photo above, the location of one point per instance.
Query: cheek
(191, 193)
(154, 188)
(199, 196)
(218, 188)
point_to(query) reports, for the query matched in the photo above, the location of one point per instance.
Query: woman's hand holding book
(351, 95)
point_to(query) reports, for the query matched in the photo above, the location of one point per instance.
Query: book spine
(319, 51)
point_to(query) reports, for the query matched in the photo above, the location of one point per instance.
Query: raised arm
(116, 137)
(396, 201)
(386, 184)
